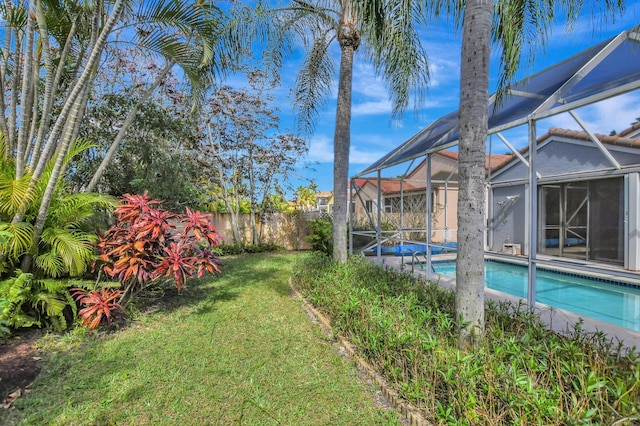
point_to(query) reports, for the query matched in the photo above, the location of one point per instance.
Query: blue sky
(373, 134)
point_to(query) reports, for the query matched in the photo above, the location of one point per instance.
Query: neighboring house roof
(632, 132)
(388, 186)
(491, 161)
(496, 161)
(619, 139)
(391, 186)
(324, 194)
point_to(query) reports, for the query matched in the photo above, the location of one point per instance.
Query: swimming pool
(608, 302)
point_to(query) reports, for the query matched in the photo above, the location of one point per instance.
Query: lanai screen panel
(612, 66)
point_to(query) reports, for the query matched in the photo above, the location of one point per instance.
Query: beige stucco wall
(445, 222)
(288, 230)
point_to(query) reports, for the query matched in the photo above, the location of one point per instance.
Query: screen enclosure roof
(605, 70)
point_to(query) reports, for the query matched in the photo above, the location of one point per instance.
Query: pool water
(608, 302)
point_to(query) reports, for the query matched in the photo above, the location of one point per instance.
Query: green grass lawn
(231, 350)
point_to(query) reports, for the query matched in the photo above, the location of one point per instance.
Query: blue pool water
(608, 302)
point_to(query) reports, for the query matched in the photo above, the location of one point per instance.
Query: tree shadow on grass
(201, 294)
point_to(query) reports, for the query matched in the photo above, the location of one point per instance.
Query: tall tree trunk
(26, 96)
(65, 126)
(85, 78)
(233, 214)
(474, 100)
(52, 80)
(13, 101)
(4, 64)
(349, 39)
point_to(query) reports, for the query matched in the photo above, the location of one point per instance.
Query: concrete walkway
(557, 319)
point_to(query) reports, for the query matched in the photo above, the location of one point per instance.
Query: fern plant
(31, 302)
(4, 325)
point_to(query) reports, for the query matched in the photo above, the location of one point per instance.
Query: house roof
(605, 70)
(324, 194)
(390, 185)
(635, 127)
(616, 140)
(492, 161)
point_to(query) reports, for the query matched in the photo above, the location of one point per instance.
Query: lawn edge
(406, 410)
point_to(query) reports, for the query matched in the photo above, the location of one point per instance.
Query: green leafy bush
(65, 247)
(321, 238)
(233, 249)
(4, 324)
(521, 373)
(30, 302)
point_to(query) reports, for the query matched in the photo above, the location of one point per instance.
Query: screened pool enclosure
(585, 205)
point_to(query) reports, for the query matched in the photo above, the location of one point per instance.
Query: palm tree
(184, 32)
(516, 24)
(474, 101)
(387, 31)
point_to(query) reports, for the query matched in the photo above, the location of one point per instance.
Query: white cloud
(611, 114)
(359, 156)
(321, 151)
(382, 106)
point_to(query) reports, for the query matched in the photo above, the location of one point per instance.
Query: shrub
(99, 305)
(4, 324)
(232, 249)
(30, 302)
(321, 238)
(146, 247)
(521, 373)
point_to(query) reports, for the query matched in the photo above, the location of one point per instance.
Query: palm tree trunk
(52, 80)
(13, 102)
(26, 97)
(474, 100)
(66, 122)
(349, 41)
(4, 128)
(85, 78)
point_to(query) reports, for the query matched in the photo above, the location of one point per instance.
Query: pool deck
(558, 320)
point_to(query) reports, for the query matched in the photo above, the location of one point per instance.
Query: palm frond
(19, 241)
(392, 42)
(15, 194)
(314, 82)
(16, 17)
(74, 249)
(197, 36)
(51, 264)
(50, 303)
(72, 210)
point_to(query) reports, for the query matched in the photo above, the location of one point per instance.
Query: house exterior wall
(445, 214)
(507, 222)
(562, 161)
(439, 164)
(368, 193)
